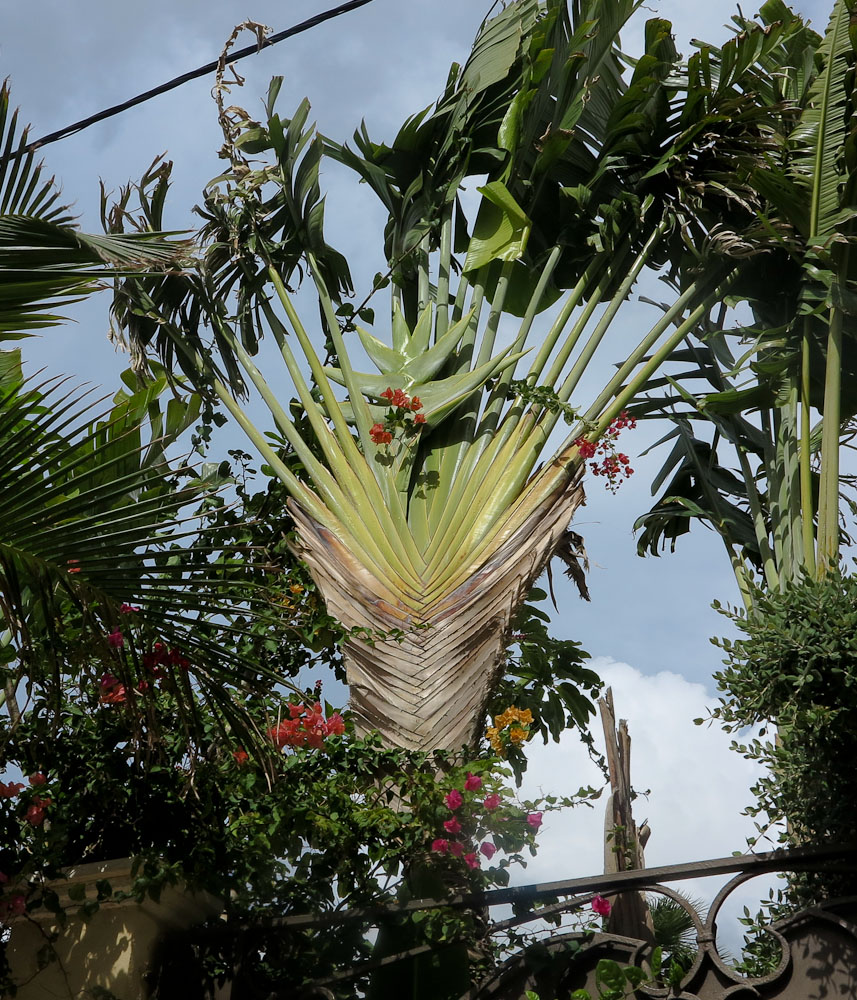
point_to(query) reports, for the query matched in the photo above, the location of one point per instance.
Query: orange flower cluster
(306, 727)
(510, 727)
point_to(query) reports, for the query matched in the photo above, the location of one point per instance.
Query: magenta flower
(491, 802)
(127, 609)
(456, 849)
(454, 799)
(471, 860)
(37, 779)
(488, 849)
(601, 905)
(535, 820)
(452, 826)
(440, 846)
(115, 640)
(473, 783)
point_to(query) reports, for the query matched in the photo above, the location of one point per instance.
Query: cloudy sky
(649, 621)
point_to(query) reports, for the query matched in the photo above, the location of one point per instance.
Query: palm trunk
(425, 682)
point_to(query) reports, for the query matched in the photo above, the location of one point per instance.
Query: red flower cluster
(401, 400)
(35, 814)
(601, 905)
(380, 434)
(163, 657)
(614, 466)
(306, 727)
(402, 406)
(9, 789)
(112, 690)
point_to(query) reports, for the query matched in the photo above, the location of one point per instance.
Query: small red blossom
(492, 802)
(456, 849)
(601, 905)
(35, 814)
(72, 566)
(143, 686)
(10, 789)
(473, 782)
(115, 640)
(454, 799)
(488, 849)
(241, 756)
(416, 404)
(419, 418)
(379, 434)
(440, 846)
(387, 393)
(37, 779)
(471, 860)
(127, 609)
(452, 825)
(534, 820)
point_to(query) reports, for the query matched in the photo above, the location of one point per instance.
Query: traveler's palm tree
(421, 505)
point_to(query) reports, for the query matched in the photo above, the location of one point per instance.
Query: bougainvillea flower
(37, 779)
(127, 609)
(115, 640)
(473, 783)
(535, 820)
(452, 826)
(440, 846)
(488, 849)
(454, 799)
(35, 814)
(241, 756)
(380, 434)
(72, 566)
(492, 802)
(10, 789)
(335, 724)
(601, 905)
(471, 860)
(456, 849)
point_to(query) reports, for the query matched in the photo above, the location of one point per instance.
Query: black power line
(194, 74)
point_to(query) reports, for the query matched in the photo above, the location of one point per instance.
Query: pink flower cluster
(454, 800)
(613, 465)
(113, 691)
(306, 727)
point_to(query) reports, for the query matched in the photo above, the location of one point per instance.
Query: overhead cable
(194, 74)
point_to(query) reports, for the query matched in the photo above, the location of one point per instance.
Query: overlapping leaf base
(426, 685)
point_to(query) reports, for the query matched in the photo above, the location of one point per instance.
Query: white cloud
(698, 789)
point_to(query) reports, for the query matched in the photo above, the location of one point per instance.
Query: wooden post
(623, 842)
